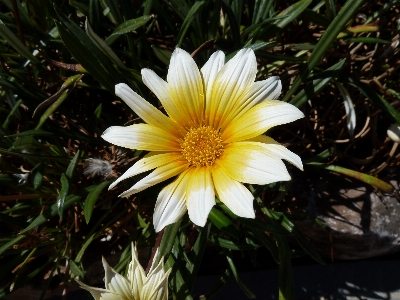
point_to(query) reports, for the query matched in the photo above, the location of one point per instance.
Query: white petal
(120, 286)
(185, 86)
(115, 282)
(141, 137)
(233, 194)
(249, 162)
(110, 296)
(259, 119)
(234, 79)
(97, 293)
(268, 89)
(136, 274)
(109, 272)
(171, 202)
(153, 265)
(152, 281)
(209, 72)
(159, 288)
(146, 164)
(277, 150)
(142, 108)
(158, 175)
(160, 88)
(349, 107)
(200, 195)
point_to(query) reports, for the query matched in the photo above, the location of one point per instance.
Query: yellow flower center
(202, 146)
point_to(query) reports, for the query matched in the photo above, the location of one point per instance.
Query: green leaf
(80, 6)
(131, 25)
(94, 13)
(375, 98)
(252, 30)
(167, 241)
(14, 42)
(27, 142)
(87, 53)
(291, 13)
(315, 18)
(194, 10)
(367, 40)
(261, 10)
(63, 194)
(4, 151)
(11, 243)
(262, 226)
(261, 45)
(254, 223)
(218, 285)
(72, 166)
(11, 114)
(385, 6)
(177, 282)
(330, 9)
(51, 109)
(95, 118)
(245, 289)
(286, 283)
(268, 243)
(147, 7)
(197, 255)
(320, 156)
(102, 45)
(114, 10)
(380, 184)
(86, 244)
(347, 11)
(180, 7)
(32, 133)
(76, 271)
(305, 244)
(224, 243)
(91, 199)
(36, 176)
(233, 24)
(317, 85)
(51, 212)
(162, 54)
(223, 223)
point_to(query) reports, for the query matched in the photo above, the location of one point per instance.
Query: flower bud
(393, 132)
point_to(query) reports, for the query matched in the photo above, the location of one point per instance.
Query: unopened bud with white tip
(393, 132)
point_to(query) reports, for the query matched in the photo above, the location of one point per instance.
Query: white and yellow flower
(212, 138)
(137, 286)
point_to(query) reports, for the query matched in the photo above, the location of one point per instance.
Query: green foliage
(60, 61)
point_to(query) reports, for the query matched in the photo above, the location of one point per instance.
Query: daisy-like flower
(212, 138)
(137, 286)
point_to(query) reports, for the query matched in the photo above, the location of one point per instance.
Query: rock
(360, 221)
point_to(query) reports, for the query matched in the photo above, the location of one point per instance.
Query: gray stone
(360, 221)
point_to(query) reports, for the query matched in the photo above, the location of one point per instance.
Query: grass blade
(14, 42)
(91, 199)
(194, 10)
(347, 11)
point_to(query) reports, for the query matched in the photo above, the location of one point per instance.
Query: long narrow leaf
(375, 98)
(347, 11)
(286, 283)
(12, 39)
(91, 199)
(317, 85)
(194, 10)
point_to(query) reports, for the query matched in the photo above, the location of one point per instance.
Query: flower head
(212, 138)
(137, 286)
